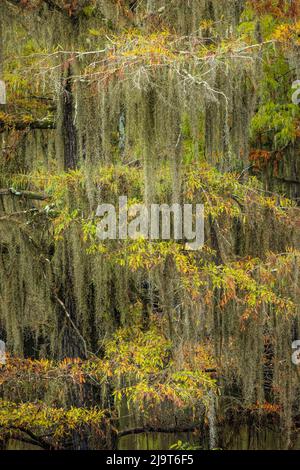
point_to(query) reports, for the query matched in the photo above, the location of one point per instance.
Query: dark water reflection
(245, 438)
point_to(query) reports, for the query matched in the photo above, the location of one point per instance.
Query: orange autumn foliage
(279, 8)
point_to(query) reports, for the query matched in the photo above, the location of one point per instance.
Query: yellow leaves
(206, 24)
(145, 359)
(183, 388)
(117, 179)
(95, 32)
(131, 51)
(143, 362)
(142, 254)
(89, 229)
(214, 189)
(287, 33)
(277, 8)
(223, 195)
(270, 408)
(198, 357)
(135, 352)
(142, 366)
(249, 282)
(79, 377)
(38, 417)
(252, 283)
(9, 120)
(62, 222)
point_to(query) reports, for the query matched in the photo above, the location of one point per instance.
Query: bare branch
(60, 302)
(25, 194)
(22, 125)
(168, 430)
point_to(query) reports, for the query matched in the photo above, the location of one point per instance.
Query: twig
(72, 323)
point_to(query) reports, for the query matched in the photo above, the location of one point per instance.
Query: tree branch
(22, 125)
(72, 323)
(24, 194)
(35, 439)
(20, 213)
(169, 430)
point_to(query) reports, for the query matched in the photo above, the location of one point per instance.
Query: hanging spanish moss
(120, 343)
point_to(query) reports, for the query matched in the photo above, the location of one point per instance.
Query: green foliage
(57, 423)
(179, 445)
(282, 121)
